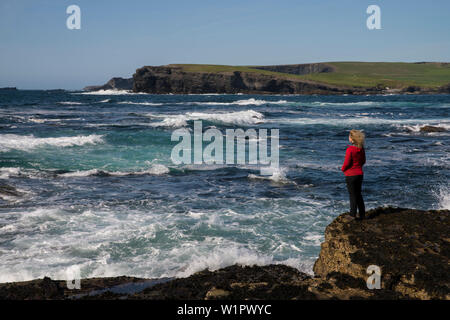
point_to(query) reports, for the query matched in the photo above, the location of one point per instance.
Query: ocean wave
(443, 197)
(70, 103)
(142, 103)
(25, 143)
(109, 92)
(276, 175)
(245, 102)
(417, 127)
(361, 120)
(36, 120)
(6, 173)
(156, 169)
(223, 257)
(358, 103)
(248, 117)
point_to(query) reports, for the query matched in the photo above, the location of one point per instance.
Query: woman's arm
(348, 160)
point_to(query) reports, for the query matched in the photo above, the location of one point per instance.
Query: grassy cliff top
(354, 74)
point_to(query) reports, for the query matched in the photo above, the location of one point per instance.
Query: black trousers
(354, 184)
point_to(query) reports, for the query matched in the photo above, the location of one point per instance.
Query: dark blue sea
(99, 191)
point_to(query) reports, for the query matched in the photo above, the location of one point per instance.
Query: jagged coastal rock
(411, 247)
(113, 84)
(432, 129)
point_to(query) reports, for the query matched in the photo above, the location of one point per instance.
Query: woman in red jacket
(355, 158)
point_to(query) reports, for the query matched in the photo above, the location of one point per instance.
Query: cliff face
(411, 247)
(306, 68)
(171, 79)
(113, 84)
(377, 78)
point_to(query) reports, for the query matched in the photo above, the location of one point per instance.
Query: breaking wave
(142, 103)
(245, 102)
(109, 92)
(156, 169)
(248, 117)
(70, 103)
(25, 143)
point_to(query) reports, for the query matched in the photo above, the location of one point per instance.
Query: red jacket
(354, 160)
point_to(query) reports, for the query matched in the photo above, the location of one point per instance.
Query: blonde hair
(358, 138)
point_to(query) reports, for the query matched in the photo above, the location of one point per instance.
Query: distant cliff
(113, 84)
(174, 79)
(8, 89)
(311, 78)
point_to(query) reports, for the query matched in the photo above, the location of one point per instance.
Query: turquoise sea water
(100, 192)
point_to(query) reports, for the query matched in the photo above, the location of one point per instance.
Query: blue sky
(37, 51)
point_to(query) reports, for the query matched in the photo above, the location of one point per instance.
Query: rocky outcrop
(432, 129)
(9, 191)
(113, 84)
(445, 89)
(173, 79)
(411, 247)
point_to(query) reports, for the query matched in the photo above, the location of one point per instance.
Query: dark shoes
(355, 217)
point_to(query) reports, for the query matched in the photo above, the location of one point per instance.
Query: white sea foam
(417, 127)
(5, 173)
(100, 231)
(222, 257)
(25, 143)
(358, 103)
(70, 103)
(36, 120)
(109, 92)
(248, 117)
(443, 196)
(174, 121)
(276, 174)
(142, 103)
(81, 173)
(155, 169)
(245, 102)
(415, 124)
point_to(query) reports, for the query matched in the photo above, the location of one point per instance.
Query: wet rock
(215, 294)
(411, 247)
(42, 289)
(113, 84)
(9, 191)
(432, 129)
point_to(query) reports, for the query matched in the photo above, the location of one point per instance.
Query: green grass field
(356, 74)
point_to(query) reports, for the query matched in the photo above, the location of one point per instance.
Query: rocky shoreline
(411, 247)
